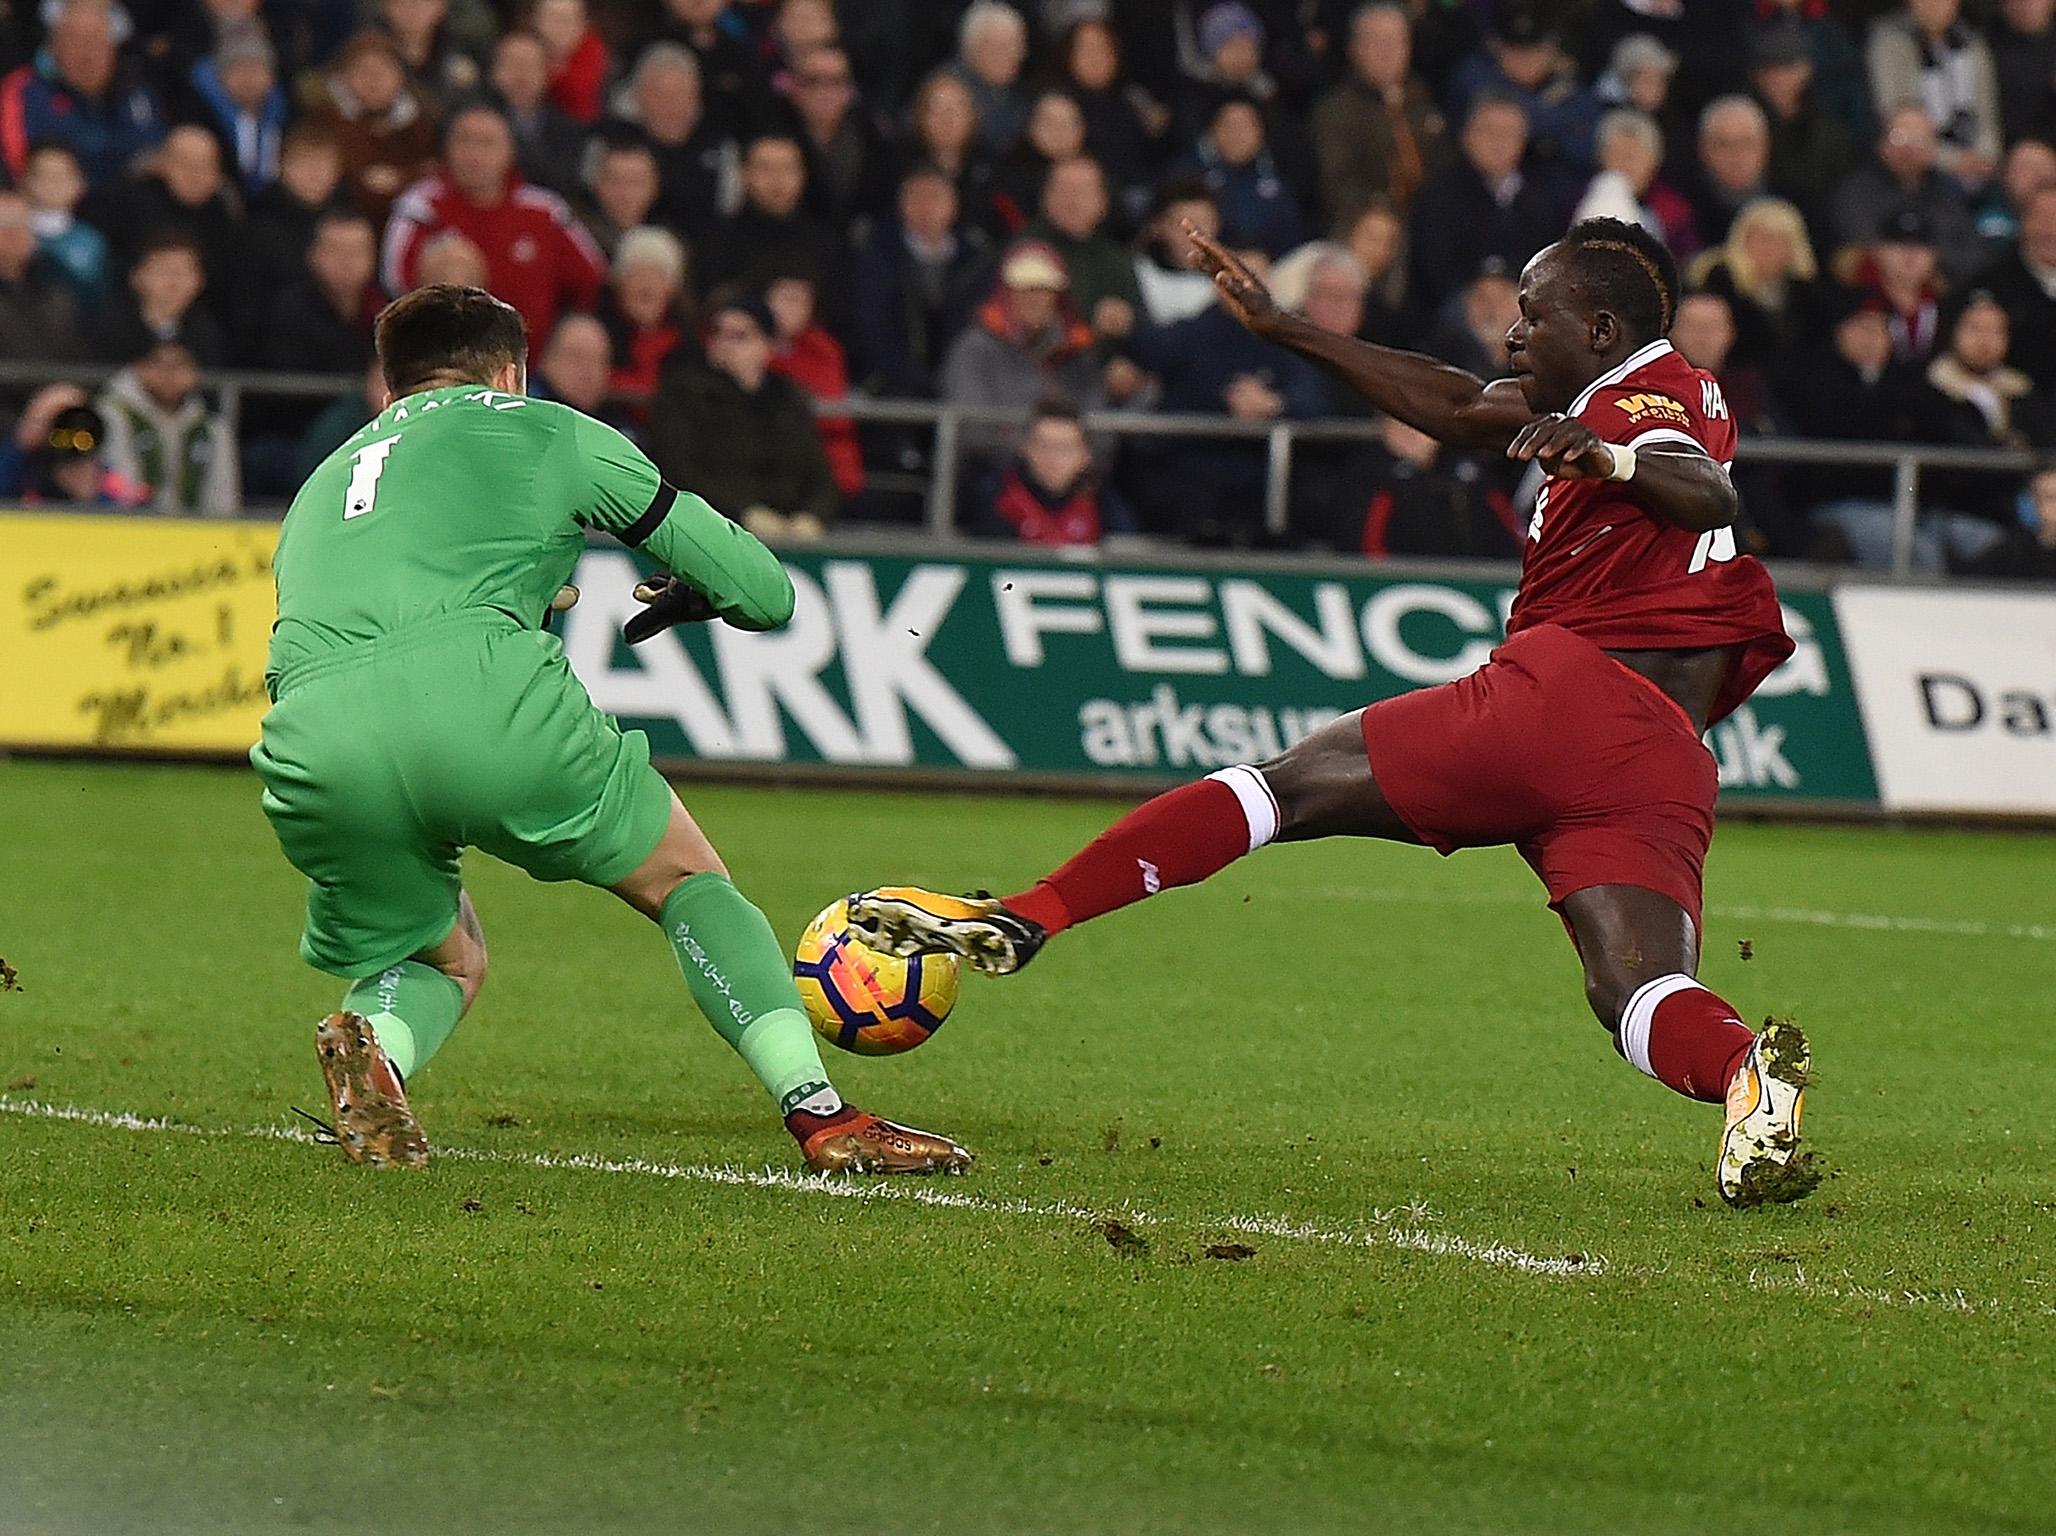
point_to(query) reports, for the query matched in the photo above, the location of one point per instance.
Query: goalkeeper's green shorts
(384, 760)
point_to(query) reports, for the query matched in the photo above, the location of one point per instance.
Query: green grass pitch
(1488, 1286)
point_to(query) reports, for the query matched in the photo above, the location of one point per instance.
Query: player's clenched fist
(1565, 448)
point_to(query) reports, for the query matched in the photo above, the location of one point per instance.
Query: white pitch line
(1866, 922)
(1948, 1298)
(1958, 927)
(1398, 1229)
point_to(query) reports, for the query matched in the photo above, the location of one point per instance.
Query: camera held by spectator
(58, 453)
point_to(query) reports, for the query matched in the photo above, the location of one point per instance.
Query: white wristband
(1623, 462)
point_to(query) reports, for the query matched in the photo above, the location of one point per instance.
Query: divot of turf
(1121, 1237)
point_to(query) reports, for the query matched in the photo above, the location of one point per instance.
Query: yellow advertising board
(133, 634)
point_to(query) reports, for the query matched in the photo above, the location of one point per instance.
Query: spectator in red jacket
(645, 310)
(813, 359)
(538, 258)
(1900, 272)
(579, 63)
(1050, 494)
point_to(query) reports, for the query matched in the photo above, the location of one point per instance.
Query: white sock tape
(1640, 1013)
(1259, 805)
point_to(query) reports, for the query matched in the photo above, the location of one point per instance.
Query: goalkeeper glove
(671, 602)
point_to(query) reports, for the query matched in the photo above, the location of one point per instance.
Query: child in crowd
(54, 185)
(161, 435)
(1050, 494)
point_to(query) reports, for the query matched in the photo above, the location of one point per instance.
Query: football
(865, 1000)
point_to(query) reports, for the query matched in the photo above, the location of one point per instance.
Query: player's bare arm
(1684, 488)
(1688, 490)
(1448, 403)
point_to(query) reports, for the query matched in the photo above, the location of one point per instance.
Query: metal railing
(1280, 439)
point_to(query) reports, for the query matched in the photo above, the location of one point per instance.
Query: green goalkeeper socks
(739, 975)
(413, 1008)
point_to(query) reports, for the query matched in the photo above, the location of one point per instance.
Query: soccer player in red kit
(1636, 626)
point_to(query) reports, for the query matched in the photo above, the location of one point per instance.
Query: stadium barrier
(1004, 666)
(938, 488)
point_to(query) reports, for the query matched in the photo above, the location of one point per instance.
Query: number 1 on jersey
(366, 465)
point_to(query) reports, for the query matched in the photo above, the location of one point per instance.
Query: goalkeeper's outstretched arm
(1449, 404)
(617, 488)
(740, 578)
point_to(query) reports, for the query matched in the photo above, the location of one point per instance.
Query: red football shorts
(1587, 767)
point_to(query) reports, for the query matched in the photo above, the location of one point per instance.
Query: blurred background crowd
(717, 214)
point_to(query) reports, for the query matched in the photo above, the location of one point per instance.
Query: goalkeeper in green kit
(418, 708)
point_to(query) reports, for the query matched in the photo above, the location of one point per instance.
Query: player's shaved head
(443, 334)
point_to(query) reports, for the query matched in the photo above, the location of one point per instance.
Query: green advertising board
(1018, 664)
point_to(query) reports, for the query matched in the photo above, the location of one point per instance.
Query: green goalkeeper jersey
(466, 499)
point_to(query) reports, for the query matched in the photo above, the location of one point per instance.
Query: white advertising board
(1958, 694)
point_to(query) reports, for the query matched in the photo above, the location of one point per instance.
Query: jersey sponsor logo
(525, 249)
(1643, 406)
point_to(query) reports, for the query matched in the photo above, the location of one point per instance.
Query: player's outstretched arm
(1684, 488)
(1449, 404)
(616, 487)
(741, 579)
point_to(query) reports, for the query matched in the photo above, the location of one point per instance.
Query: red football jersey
(1599, 565)
(537, 256)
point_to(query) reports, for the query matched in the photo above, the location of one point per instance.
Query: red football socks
(807, 1126)
(1687, 1038)
(1179, 838)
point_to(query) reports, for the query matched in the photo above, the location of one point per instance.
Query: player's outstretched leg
(1179, 838)
(1322, 787)
(740, 976)
(1640, 949)
(390, 1024)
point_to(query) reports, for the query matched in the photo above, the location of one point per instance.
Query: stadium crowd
(715, 213)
